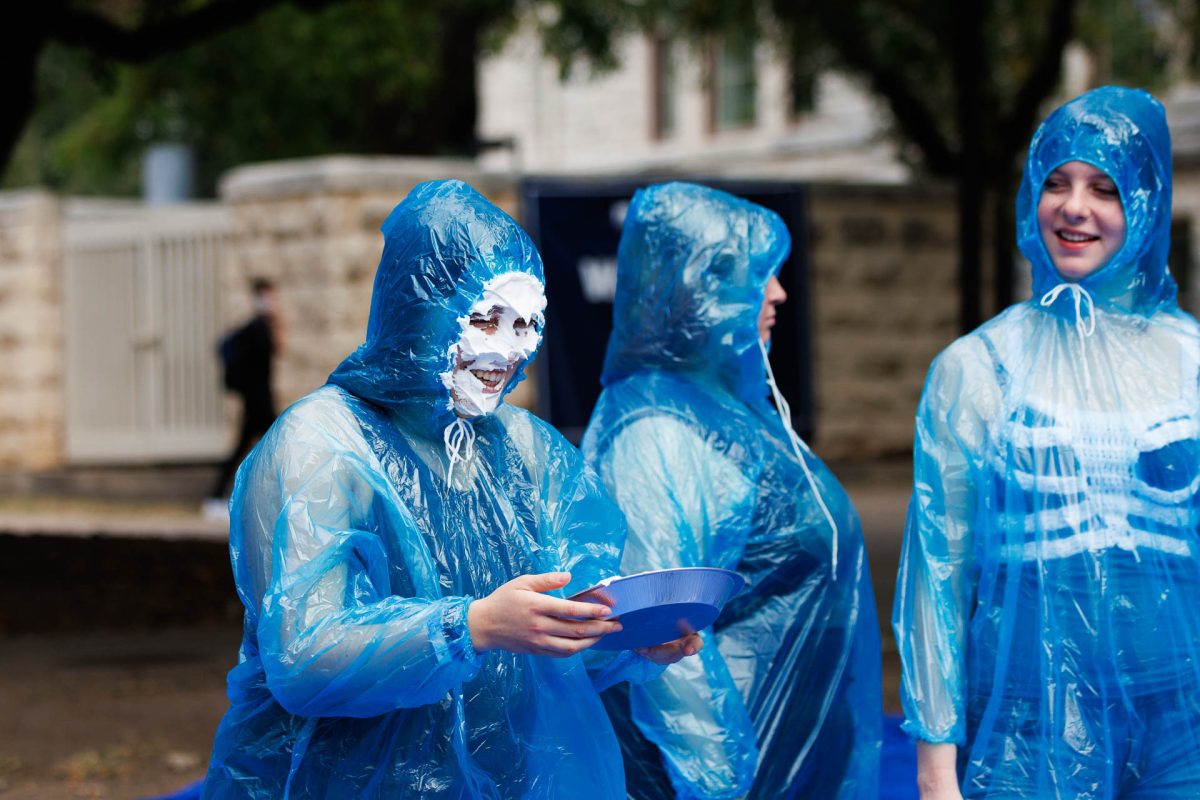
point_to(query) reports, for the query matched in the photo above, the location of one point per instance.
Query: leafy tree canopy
(356, 76)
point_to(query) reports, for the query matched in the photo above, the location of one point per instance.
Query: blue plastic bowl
(662, 605)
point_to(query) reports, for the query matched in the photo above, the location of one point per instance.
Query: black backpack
(231, 350)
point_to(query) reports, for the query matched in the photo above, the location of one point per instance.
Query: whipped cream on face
(508, 322)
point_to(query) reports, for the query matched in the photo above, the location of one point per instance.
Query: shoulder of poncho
(324, 415)
(645, 390)
(522, 425)
(978, 349)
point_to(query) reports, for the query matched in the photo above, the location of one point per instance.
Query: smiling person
(402, 542)
(1046, 609)
(784, 702)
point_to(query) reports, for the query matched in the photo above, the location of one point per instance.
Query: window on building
(663, 83)
(734, 82)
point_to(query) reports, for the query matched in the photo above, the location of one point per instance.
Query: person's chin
(1074, 271)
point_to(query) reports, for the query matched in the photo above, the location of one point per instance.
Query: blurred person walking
(247, 357)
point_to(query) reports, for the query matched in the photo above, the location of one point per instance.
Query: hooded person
(402, 540)
(785, 701)
(1046, 608)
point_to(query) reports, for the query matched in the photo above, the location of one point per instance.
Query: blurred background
(156, 157)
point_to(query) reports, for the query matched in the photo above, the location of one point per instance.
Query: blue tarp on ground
(897, 772)
(898, 765)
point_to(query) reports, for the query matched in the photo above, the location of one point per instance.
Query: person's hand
(937, 776)
(670, 652)
(520, 618)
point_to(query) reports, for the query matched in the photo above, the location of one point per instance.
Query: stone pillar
(31, 331)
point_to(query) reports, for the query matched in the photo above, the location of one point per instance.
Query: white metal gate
(140, 292)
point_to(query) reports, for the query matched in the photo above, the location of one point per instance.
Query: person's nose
(1075, 206)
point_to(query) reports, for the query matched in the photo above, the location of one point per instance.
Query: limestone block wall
(31, 331)
(313, 227)
(885, 302)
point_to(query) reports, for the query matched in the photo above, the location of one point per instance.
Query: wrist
(477, 626)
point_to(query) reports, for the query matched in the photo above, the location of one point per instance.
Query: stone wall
(31, 331)
(884, 298)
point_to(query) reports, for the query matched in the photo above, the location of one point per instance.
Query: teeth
(1071, 236)
(489, 377)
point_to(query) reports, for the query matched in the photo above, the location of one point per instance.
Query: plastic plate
(663, 604)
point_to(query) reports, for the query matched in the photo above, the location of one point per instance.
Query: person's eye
(524, 326)
(486, 324)
(1054, 184)
(1107, 190)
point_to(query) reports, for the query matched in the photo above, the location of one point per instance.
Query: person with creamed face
(403, 542)
(1046, 608)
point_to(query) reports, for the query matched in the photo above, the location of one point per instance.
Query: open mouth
(492, 379)
(1075, 239)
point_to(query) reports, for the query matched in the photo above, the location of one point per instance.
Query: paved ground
(118, 623)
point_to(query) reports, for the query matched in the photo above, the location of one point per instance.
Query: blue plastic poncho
(1047, 604)
(356, 561)
(784, 701)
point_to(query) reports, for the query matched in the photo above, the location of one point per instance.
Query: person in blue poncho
(402, 542)
(785, 702)
(1046, 608)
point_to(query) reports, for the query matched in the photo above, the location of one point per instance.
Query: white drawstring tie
(460, 444)
(1084, 328)
(800, 448)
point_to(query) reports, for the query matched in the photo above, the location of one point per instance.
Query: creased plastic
(1047, 604)
(784, 701)
(356, 561)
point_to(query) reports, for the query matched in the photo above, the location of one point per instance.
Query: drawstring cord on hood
(798, 445)
(1083, 328)
(460, 444)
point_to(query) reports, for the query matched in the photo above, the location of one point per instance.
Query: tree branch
(1041, 81)
(915, 118)
(105, 38)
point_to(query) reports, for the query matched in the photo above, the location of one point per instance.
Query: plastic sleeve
(936, 585)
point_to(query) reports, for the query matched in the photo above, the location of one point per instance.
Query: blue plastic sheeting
(784, 701)
(1046, 608)
(898, 763)
(356, 559)
(897, 769)
(189, 792)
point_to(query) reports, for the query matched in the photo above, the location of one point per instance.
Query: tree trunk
(1004, 231)
(21, 42)
(969, 77)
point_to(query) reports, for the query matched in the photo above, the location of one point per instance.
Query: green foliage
(1146, 43)
(358, 77)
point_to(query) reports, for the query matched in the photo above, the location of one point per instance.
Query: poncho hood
(442, 244)
(1124, 133)
(692, 270)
